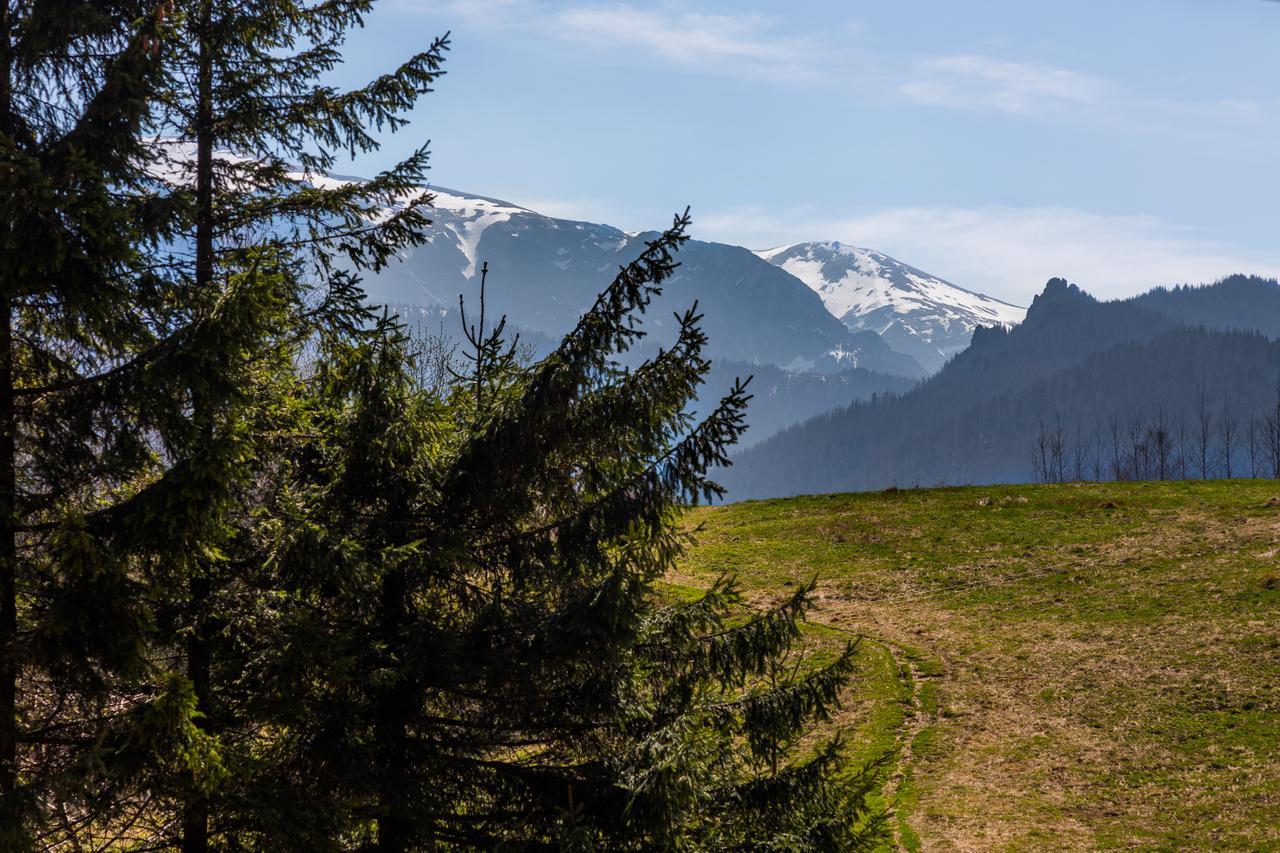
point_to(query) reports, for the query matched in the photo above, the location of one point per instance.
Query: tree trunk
(10, 815)
(195, 817)
(10, 819)
(394, 821)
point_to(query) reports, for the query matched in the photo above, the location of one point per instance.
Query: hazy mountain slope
(915, 312)
(1074, 359)
(901, 442)
(1063, 326)
(780, 398)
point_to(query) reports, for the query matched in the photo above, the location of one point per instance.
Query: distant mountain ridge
(544, 272)
(1246, 303)
(779, 398)
(1074, 361)
(920, 314)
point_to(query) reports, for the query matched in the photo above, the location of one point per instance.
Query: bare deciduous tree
(1160, 440)
(1139, 452)
(1099, 453)
(1040, 464)
(1252, 434)
(1117, 451)
(1271, 436)
(1058, 450)
(1204, 431)
(1080, 458)
(435, 359)
(1228, 432)
(1184, 448)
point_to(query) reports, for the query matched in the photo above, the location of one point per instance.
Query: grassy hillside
(1078, 666)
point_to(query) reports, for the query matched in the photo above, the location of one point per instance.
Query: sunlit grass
(1076, 666)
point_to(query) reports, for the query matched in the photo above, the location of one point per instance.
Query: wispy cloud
(1009, 252)
(678, 36)
(1037, 91)
(476, 13)
(1016, 88)
(793, 49)
(738, 45)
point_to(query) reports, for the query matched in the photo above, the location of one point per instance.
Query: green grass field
(1085, 667)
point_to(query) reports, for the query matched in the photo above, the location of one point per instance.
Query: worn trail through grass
(1063, 667)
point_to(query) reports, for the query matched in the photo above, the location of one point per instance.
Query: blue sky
(1120, 144)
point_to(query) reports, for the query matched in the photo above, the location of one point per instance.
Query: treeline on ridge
(1075, 365)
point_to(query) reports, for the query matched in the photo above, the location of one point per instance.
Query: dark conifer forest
(271, 581)
(1173, 384)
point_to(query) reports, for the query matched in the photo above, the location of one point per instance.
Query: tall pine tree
(243, 132)
(472, 649)
(103, 361)
(157, 288)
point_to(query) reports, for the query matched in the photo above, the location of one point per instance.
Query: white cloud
(739, 45)
(1028, 90)
(1011, 252)
(736, 45)
(476, 13)
(982, 83)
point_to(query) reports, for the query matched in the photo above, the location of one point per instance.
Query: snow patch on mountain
(918, 313)
(469, 217)
(466, 217)
(857, 282)
(551, 270)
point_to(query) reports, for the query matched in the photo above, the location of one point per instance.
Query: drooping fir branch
(689, 637)
(770, 716)
(68, 138)
(275, 122)
(644, 498)
(105, 135)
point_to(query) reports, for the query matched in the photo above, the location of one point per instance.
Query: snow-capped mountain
(916, 313)
(544, 272)
(810, 306)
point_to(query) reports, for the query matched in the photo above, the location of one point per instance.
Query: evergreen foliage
(260, 588)
(527, 684)
(151, 310)
(244, 126)
(102, 494)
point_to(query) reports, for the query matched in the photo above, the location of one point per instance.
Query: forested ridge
(1091, 373)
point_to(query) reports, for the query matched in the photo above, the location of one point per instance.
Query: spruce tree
(243, 132)
(158, 291)
(104, 492)
(71, 76)
(473, 648)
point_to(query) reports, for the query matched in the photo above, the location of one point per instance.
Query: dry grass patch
(1107, 676)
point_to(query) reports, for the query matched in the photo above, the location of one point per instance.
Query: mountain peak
(1058, 293)
(917, 313)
